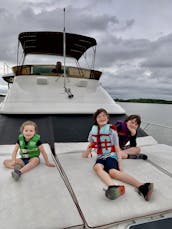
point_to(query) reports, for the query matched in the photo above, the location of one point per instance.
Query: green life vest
(29, 149)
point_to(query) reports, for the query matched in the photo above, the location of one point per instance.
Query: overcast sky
(134, 39)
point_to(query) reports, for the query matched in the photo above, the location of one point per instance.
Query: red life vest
(101, 139)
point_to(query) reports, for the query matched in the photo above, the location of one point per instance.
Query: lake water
(160, 115)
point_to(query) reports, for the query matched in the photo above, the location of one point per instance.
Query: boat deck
(71, 196)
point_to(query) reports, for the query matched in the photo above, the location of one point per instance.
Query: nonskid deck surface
(71, 195)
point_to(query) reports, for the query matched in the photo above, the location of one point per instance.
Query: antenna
(67, 90)
(64, 50)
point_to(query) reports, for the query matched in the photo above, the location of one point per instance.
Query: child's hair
(97, 113)
(136, 117)
(28, 123)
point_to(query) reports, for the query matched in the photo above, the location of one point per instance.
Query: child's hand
(133, 131)
(49, 164)
(86, 153)
(13, 162)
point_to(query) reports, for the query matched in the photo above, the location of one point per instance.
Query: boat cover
(51, 43)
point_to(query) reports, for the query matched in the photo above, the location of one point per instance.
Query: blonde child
(30, 148)
(103, 139)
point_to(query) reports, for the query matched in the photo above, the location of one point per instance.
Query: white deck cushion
(39, 200)
(160, 155)
(147, 140)
(96, 208)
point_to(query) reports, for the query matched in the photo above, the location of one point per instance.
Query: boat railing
(160, 132)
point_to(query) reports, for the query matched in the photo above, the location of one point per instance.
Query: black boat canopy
(51, 43)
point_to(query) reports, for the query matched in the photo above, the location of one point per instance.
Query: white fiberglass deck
(45, 198)
(33, 94)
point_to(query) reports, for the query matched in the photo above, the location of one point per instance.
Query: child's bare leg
(124, 177)
(104, 176)
(113, 191)
(32, 164)
(133, 153)
(130, 151)
(144, 189)
(9, 163)
(133, 150)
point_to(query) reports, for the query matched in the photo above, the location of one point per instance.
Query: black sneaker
(142, 156)
(146, 190)
(114, 191)
(137, 156)
(16, 174)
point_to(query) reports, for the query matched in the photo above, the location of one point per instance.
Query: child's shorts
(109, 163)
(25, 160)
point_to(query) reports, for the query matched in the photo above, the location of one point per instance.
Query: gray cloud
(160, 53)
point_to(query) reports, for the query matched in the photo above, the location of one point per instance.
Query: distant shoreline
(142, 100)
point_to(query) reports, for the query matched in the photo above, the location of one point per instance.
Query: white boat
(70, 195)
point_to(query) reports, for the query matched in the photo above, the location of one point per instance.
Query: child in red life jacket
(30, 148)
(127, 132)
(103, 139)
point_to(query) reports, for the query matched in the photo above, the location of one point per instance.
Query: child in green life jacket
(103, 139)
(30, 148)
